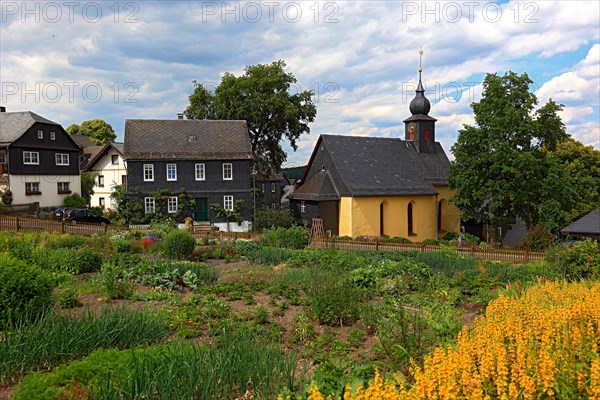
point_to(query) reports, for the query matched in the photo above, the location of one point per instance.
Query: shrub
(582, 260)
(66, 241)
(68, 295)
(267, 218)
(538, 238)
(24, 290)
(396, 240)
(295, 237)
(178, 244)
(112, 283)
(122, 245)
(75, 200)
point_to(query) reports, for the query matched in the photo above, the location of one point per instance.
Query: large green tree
(262, 96)
(501, 168)
(99, 131)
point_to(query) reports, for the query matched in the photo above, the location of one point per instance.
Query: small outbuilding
(587, 226)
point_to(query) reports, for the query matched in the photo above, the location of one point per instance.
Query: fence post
(422, 248)
(377, 245)
(472, 251)
(62, 226)
(105, 228)
(526, 255)
(17, 220)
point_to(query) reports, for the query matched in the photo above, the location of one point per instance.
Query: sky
(71, 61)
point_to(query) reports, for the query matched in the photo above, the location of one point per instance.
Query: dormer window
(52, 135)
(192, 139)
(426, 135)
(40, 134)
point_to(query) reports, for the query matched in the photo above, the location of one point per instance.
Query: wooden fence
(511, 255)
(8, 223)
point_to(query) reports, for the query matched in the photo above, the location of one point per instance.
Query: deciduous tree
(99, 131)
(264, 97)
(501, 168)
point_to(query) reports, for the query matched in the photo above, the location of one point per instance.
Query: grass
(54, 339)
(233, 366)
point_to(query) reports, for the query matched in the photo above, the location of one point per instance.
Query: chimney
(2, 109)
(180, 116)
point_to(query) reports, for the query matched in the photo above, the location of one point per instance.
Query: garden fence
(512, 255)
(8, 223)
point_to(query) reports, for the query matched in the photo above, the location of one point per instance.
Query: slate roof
(320, 188)
(368, 166)
(15, 124)
(186, 139)
(89, 153)
(588, 224)
(83, 141)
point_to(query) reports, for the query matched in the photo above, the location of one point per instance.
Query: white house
(111, 168)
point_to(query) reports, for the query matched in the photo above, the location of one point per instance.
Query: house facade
(38, 159)
(111, 170)
(366, 186)
(269, 189)
(208, 160)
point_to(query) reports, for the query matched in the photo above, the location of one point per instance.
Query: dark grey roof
(14, 124)
(319, 188)
(371, 166)
(186, 139)
(95, 153)
(83, 141)
(589, 223)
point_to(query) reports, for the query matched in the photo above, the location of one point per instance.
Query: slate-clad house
(209, 159)
(39, 162)
(270, 189)
(367, 186)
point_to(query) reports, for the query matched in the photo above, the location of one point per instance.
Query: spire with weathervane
(420, 127)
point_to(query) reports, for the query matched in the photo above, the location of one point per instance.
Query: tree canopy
(263, 97)
(502, 166)
(99, 131)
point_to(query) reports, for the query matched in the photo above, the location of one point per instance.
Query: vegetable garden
(137, 315)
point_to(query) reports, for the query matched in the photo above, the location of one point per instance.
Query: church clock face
(411, 127)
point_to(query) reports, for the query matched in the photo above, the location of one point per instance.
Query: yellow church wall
(450, 213)
(359, 216)
(345, 216)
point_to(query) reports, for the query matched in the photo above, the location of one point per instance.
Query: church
(380, 187)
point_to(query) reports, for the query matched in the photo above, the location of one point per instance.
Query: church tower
(420, 127)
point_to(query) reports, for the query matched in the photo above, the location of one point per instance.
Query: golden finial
(420, 57)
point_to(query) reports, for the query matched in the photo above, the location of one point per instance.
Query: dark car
(59, 213)
(84, 215)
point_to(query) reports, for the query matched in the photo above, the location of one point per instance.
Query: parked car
(84, 215)
(59, 213)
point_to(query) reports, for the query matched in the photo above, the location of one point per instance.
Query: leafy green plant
(303, 330)
(75, 200)
(295, 237)
(25, 290)
(334, 300)
(122, 245)
(113, 284)
(67, 295)
(178, 244)
(268, 218)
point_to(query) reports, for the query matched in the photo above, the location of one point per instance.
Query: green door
(201, 213)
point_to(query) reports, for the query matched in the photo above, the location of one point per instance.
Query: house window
(102, 202)
(63, 188)
(100, 180)
(40, 134)
(148, 172)
(31, 158)
(322, 167)
(272, 188)
(273, 206)
(171, 172)
(2, 157)
(61, 159)
(227, 171)
(409, 211)
(426, 135)
(228, 203)
(32, 188)
(123, 180)
(200, 172)
(263, 187)
(302, 207)
(149, 205)
(114, 159)
(172, 205)
(52, 135)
